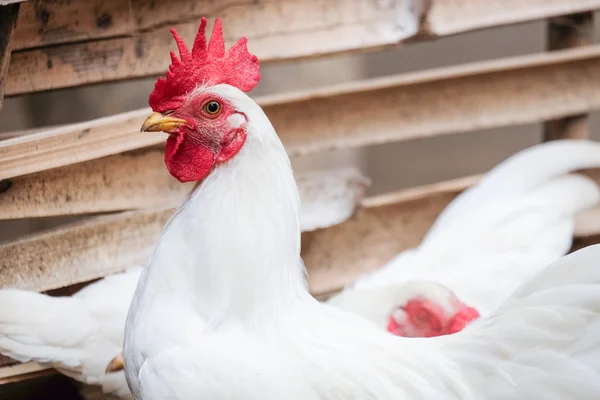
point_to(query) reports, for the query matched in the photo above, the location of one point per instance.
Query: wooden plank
(13, 134)
(124, 181)
(569, 31)
(334, 256)
(47, 22)
(81, 252)
(73, 143)
(139, 179)
(7, 2)
(141, 42)
(106, 245)
(21, 372)
(8, 21)
(447, 17)
(134, 42)
(491, 94)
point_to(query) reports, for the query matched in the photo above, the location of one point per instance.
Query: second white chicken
(493, 237)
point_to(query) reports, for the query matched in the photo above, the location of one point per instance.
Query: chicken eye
(212, 107)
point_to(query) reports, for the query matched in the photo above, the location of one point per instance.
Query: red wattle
(186, 161)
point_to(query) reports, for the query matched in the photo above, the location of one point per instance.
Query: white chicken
(493, 237)
(77, 335)
(223, 311)
(510, 249)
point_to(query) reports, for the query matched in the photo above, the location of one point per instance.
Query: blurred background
(391, 165)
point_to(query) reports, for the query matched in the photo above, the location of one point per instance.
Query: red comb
(204, 65)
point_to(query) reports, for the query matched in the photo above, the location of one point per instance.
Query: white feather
(77, 335)
(544, 341)
(223, 311)
(493, 237)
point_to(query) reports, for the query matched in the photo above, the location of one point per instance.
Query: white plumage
(223, 312)
(493, 237)
(77, 335)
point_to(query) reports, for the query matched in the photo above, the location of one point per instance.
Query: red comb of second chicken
(206, 64)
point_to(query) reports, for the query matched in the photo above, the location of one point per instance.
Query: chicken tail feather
(544, 341)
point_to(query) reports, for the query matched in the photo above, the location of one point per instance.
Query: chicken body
(223, 312)
(77, 335)
(493, 237)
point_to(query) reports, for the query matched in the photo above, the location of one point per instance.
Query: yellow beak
(158, 122)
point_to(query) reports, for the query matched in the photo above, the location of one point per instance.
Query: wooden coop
(112, 177)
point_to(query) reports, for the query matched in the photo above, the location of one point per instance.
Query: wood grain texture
(569, 31)
(334, 256)
(121, 182)
(139, 179)
(489, 94)
(106, 245)
(71, 42)
(8, 20)
(136, 39)
(81, 252)
(446, 17)
(46, 22)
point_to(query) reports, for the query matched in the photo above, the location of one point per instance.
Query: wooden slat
(21, 372)
(121, 40)
(448, 17)
(139, 179)
(569, 31)
(13, 134)
(81, 252)
(124, 181)
(334, 256)
(7, 2)
(47, 22)
(141, 40)
(8, 20)
(489, 94)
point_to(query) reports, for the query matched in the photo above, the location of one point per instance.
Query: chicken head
(191, 104)
(436, 311)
